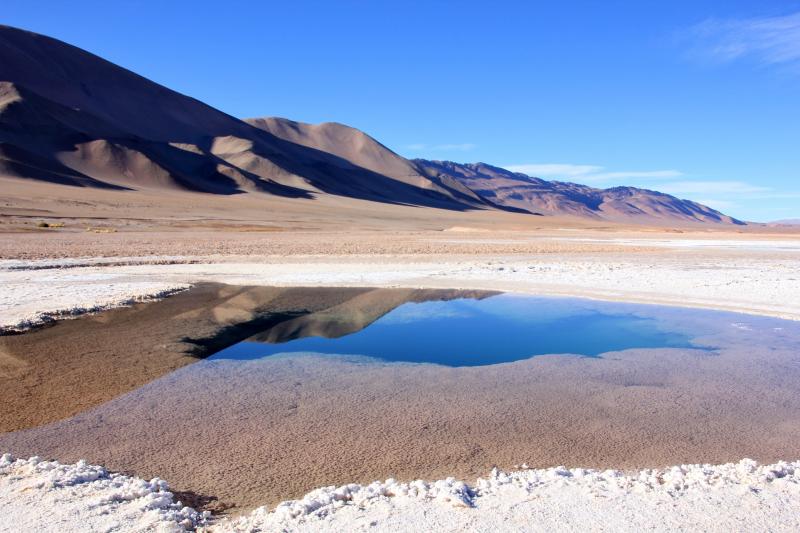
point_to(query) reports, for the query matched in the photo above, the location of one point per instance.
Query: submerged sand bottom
(248, 433)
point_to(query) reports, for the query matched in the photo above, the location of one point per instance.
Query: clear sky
(700, 99)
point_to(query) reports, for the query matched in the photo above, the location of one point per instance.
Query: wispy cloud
(462, 147)
(588, 173)
(711, 187)
(719, 194)
(729, 189)
(767, 40)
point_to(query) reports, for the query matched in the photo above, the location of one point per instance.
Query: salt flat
(761, 280)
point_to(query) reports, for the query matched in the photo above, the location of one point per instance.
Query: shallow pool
(468, 332)
(405, 384)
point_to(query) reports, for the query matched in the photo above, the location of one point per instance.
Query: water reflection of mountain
(356, 313)
(277, 315)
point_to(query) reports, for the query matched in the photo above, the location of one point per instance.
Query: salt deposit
(81, 300)
(742, 496)
(35, 291)
(40, 495)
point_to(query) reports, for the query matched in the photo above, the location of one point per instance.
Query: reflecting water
(264, 420)
(465, 332)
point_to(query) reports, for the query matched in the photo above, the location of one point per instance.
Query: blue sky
(700, 99)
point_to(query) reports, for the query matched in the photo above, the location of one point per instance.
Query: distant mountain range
(513, 189)
(68, 117)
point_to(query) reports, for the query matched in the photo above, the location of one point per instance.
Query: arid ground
(128, 377)
(659, 411)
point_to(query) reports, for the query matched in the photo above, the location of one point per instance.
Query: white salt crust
(44, 496)
(47, 496)
(34, 292)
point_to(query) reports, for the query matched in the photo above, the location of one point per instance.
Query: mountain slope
(630, 204)
(70, 117)
(364, 151)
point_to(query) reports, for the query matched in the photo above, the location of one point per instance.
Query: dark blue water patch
(467, 332)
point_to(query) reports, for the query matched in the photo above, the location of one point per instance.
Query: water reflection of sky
(499, 329)
(282, 417)
(507, 306)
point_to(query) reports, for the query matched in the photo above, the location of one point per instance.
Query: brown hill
(360, 149)
(70, 117)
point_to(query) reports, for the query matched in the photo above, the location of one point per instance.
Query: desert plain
(109, 291)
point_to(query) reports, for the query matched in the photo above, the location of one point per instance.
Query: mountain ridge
(100, 125)
(505, 187)
(70, 117)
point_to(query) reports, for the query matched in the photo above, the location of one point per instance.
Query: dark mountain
(518, 190)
